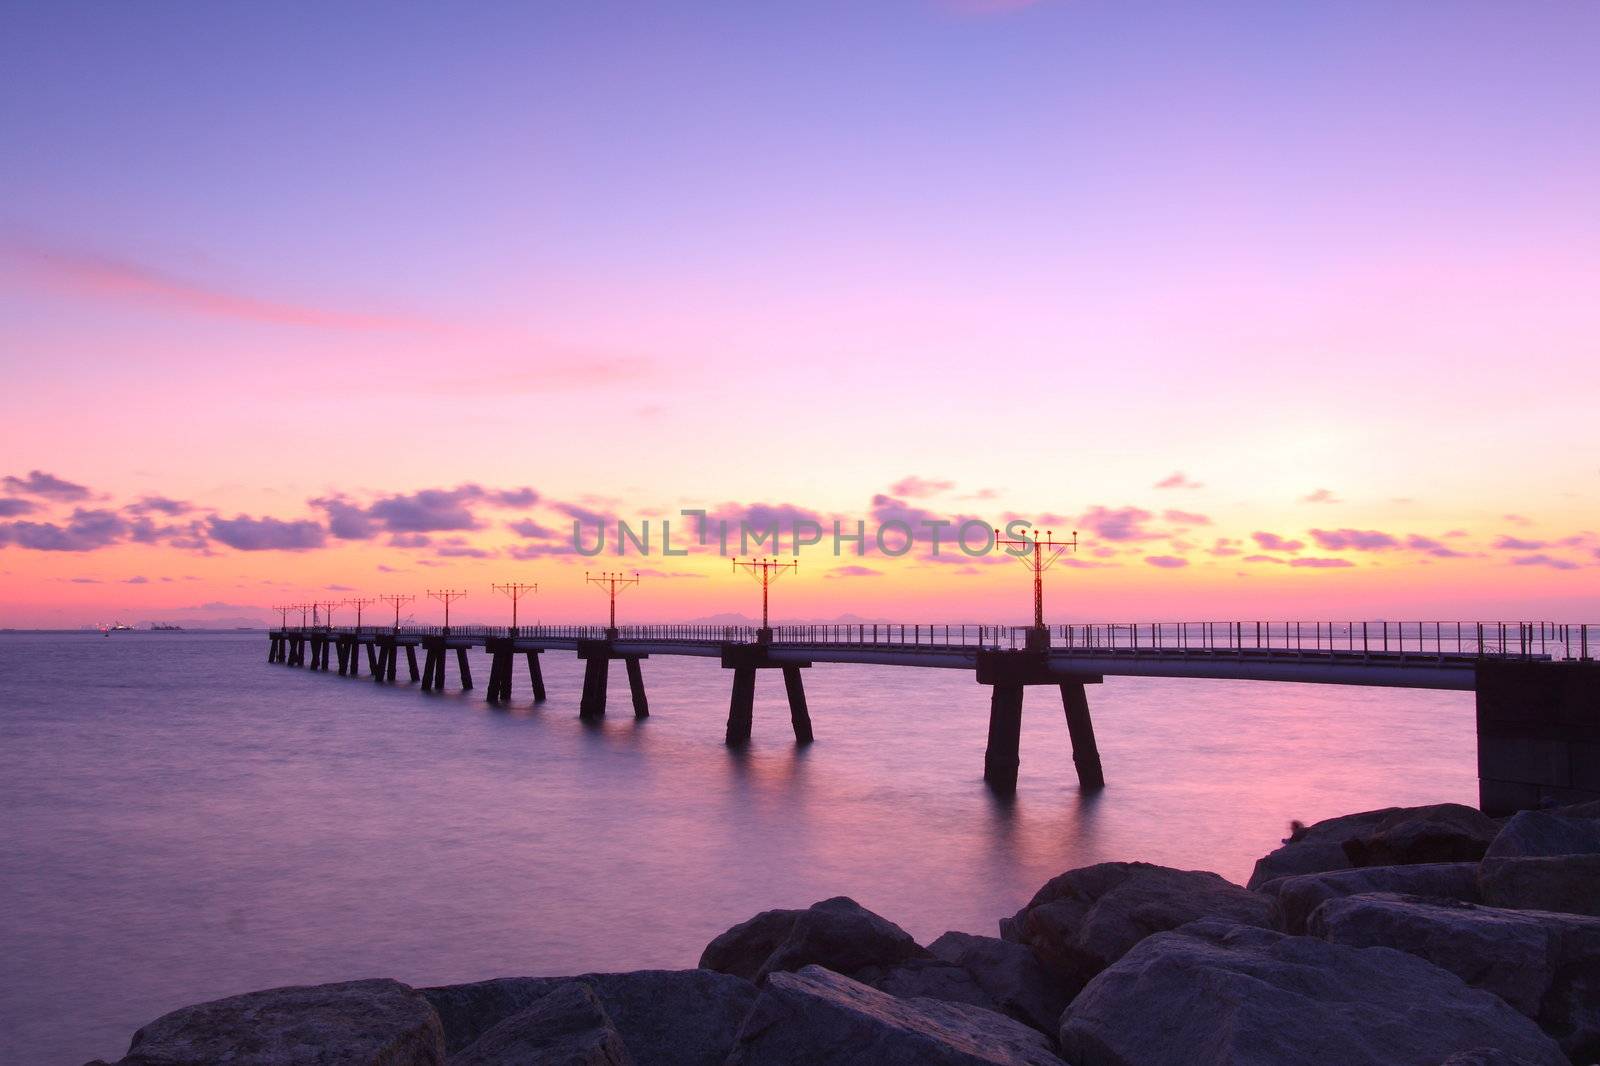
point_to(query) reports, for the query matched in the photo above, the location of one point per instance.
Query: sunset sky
(1291, 310)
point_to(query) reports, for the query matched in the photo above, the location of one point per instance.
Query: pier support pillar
(535, 676)
(1003, 754)
(641, 709)
(344, 658)
(593, 704)
(1080, 727)
(799, 713)
(389, 667)
(372, 659)
(464, 669)
(1538, 734)
(741, 708)
(411, 660)
(432, 661)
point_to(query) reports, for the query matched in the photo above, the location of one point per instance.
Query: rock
(1546, 861)
(675, 1017)
(1545, 965)
(665, 1017)
(1213, 993)
(468, 1011)
(1316, 848)
(1084, 920)
(1442, 832)
(1301, 894)
(837, 933)
(354, 1023)
(1010, 975)
(566, 1026)
(819, 1017)
(929, 979)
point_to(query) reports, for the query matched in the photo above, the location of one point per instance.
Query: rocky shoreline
(1424, 935)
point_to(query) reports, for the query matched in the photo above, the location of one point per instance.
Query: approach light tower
(283, 615)
(358, 603)
(447, 597)
(613, 582)
(515, 590)
(397, 601)
(327, 611)
(1046, 550)
(765, 571)
(303, 608)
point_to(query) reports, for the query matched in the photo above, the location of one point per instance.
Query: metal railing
(1436, 640)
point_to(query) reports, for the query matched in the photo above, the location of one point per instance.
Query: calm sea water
(184, 821)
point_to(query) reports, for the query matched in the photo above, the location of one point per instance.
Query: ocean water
(182, 820)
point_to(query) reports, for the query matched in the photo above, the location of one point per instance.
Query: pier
(1537, 684)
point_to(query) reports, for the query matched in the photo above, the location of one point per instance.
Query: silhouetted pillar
(344, 657)
(741, 708)
(430, 661)
(1001, 758)
(535, 675)
(1085, 753)
(372, 660)
(799, 715)
(389, 667)
(466, 671)
(593, 704)
(641, 709)
(411, 660)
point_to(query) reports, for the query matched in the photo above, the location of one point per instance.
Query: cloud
(347, 520)
(527, 527)
(1178, 480)
(1274, 543)
(338, 588)
(1517, 519)
(410, 540)
(1545, 560)
(1124, 523)
(1321, 496)
(1433, 547)
(1321, 564)
(1518, 544)
(1262, 559)
(1224, 546)
(137, 580)
(427, 511)
(83, 273)
(1166, 562)
(86, 531)
(917, 487)
(84, 580)
(159, 505)
(853, 571)
(244, 533)
(1186, 518)
(11, 508)
(1353, 539)
(47, 486)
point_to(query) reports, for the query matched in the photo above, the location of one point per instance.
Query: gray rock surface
(353, 1023)
(1083, 920)
(1316, 847)
(665, 1017)
(566, 1026)
(1213, 993)
(819, 1018)
(929, 979)
(1545, 965)
(1010, 975)
(1301, 894)
(837, 933)
(1440, 832)
(1544, 860)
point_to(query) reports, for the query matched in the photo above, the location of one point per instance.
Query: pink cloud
(916, 487)
(1321, 564)
(1274, 543)
(1353, 539)
(1186, 518)
(1166, 562)
(1321, 496)
(1177, 480)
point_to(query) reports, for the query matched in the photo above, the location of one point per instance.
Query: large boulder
(837, 933)
(1545, 965)
(565, 1027)
(1010, 975)
(819, 1018)
(1301, 894)
(353, 1023)
(1441, 832)
(1213, 993)
(1084, 920)
(1317, 847)
(929, 979)
(665, 1017)
(1545, 860)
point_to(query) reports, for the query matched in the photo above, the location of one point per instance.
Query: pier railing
(1437, 639)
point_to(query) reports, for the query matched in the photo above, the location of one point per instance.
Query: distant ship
(115, 627)
(163, 627)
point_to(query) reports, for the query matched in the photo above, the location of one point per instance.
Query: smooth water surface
(183, 821)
